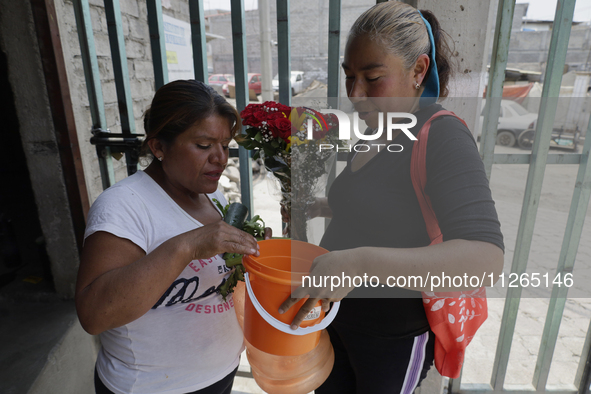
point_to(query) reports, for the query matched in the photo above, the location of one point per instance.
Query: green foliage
(256, 228)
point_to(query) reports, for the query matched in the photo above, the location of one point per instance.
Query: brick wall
(139, 63)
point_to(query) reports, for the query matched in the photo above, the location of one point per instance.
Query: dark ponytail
(443, 52)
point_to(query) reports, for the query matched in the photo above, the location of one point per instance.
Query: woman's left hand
(329, 283)
(268, 233)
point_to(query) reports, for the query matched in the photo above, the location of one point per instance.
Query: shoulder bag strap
(418, 174)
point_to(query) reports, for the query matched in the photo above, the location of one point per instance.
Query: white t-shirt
(191, 338)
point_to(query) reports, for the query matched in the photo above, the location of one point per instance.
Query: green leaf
(228, 286)
(232, 259)
(222, 209)
(268, 152)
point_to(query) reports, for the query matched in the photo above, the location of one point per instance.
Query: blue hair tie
(431, 86)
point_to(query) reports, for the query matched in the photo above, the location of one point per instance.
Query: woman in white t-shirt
(151, 264)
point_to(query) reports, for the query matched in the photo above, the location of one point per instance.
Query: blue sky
(538, 9)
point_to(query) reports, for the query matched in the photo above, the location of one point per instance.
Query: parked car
(297, 82)
(513, 119)
(254, 83)
(217, 81)
(220, 79)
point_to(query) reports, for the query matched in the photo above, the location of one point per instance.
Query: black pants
(224, 386)
(366, 364)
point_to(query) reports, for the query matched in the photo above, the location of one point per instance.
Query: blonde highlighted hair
(401, 30)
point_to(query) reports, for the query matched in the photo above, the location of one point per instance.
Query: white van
(297, 82)
(513, 119)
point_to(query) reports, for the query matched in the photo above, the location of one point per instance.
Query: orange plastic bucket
(269, 280)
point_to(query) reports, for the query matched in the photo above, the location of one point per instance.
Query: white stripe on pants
(415, 364)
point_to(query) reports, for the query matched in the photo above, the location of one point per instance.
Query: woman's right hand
(217, 238)
(337, 264)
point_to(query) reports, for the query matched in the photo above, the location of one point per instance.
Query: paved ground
(508, 184)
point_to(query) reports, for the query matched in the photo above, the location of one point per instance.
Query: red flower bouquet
(279, 134)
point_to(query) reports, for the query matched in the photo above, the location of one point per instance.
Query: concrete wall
(518, 15)
(19, 42)
(529, 49)
(469, 24)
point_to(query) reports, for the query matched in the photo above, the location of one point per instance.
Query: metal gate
(537, 160)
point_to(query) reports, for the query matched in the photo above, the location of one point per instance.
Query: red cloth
(454, 317)
(517, 93)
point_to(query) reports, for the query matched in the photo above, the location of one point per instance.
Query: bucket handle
(279, 325)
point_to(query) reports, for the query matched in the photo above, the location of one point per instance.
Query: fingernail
(294, 327)
(281, 311)
(252, 251)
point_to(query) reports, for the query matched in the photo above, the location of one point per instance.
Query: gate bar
(157, 43)
(242, 92)
(566, 262)
(284, 52)
(334, 77)
(494, 92)
(119, 55)
(93, 86)
(239, 49)
(556, 59)
(283, 57)
(584, 370)
(525, 158)
(334, 54)
(121, 72)
(198, 40)
(583, 188)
